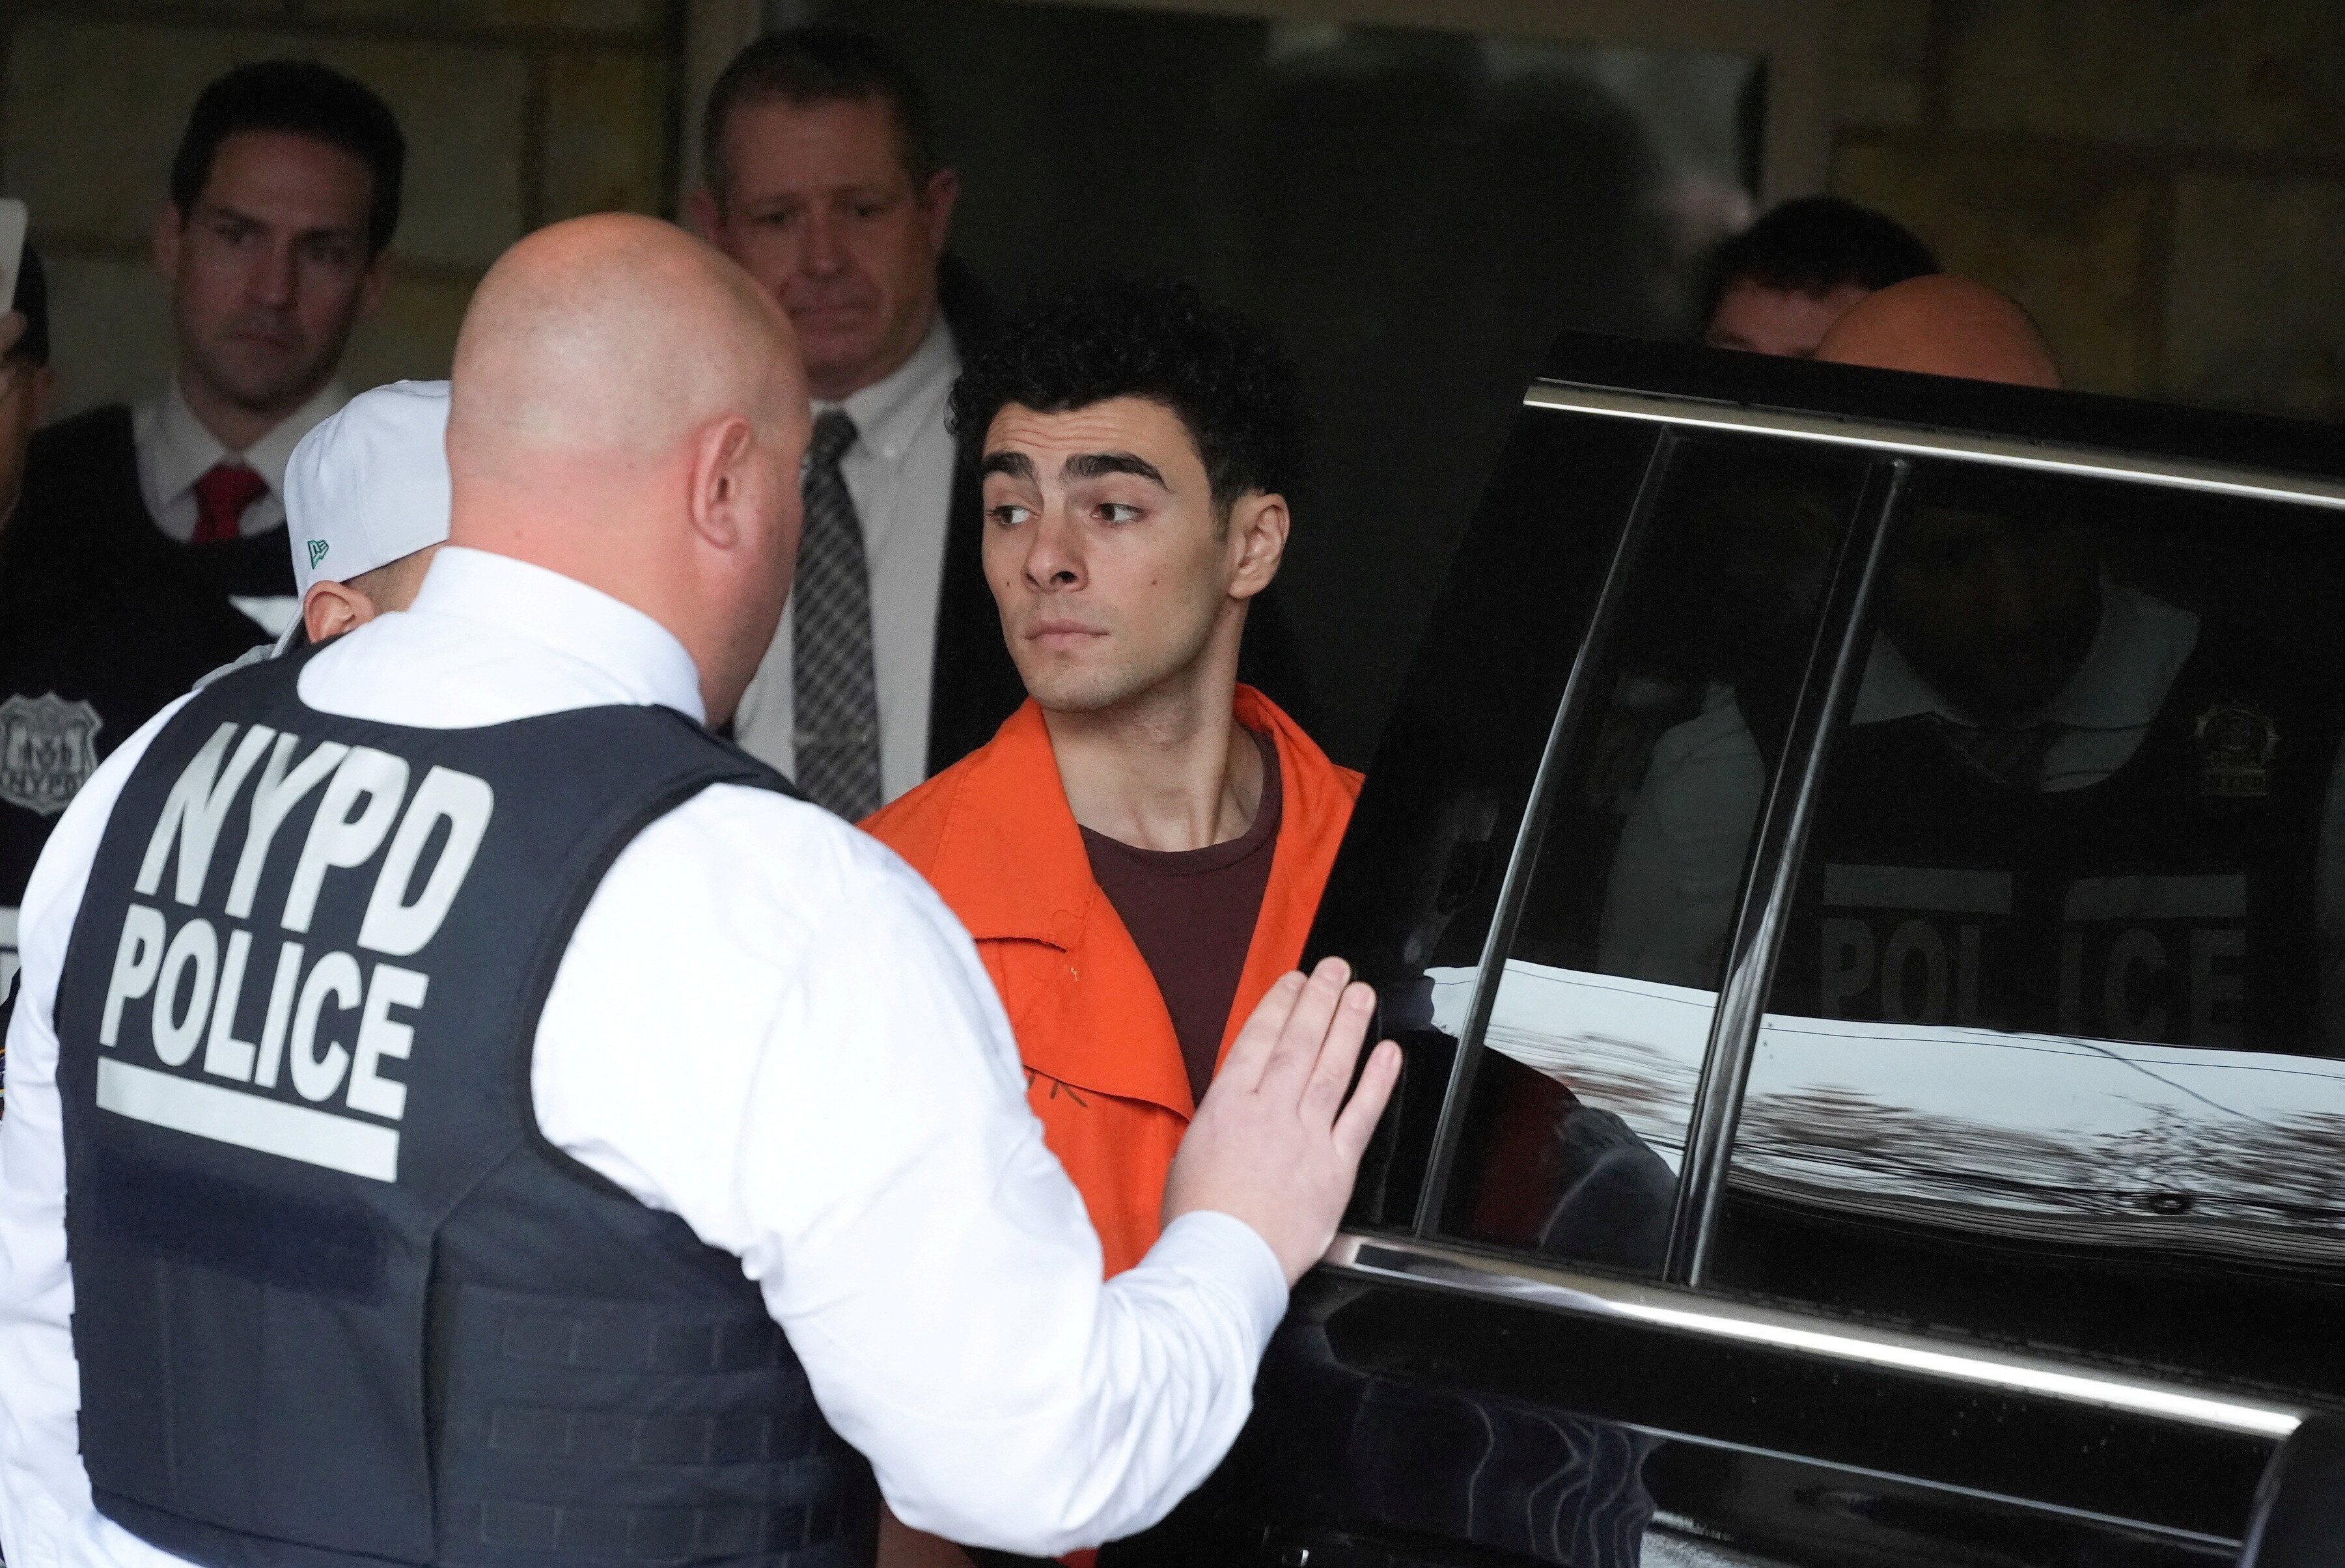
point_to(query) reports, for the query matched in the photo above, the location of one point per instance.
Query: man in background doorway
(1778, 287)
(284, 195)
(825, 183)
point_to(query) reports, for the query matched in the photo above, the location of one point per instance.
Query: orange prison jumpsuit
(994, 835)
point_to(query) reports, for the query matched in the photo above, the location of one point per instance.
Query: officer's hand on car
(1275, 1144)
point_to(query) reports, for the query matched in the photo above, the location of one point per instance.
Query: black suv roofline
(1970, 446)
(2026, 427)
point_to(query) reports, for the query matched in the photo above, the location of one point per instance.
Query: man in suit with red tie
(147, 546)
(283, 196)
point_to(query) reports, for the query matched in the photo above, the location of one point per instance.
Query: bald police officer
(501, 1123)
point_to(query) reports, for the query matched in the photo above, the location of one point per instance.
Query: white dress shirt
(899, 472)
(769, 1026)
(175, 451)
(1670, 897)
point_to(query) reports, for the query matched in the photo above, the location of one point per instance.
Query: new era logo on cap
(318, 548)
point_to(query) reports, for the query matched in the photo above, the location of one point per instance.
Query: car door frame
(1418, 1257)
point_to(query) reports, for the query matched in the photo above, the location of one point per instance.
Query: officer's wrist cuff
(1229, 1251)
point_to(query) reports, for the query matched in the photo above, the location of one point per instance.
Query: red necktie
(221, 495)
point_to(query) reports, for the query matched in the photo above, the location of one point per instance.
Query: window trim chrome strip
(1917, 440)
(1570, 710)
(1843, 635)
(1421, 1263)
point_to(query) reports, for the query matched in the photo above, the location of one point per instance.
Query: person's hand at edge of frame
(1275, 1144)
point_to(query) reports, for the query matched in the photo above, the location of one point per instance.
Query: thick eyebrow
(1017, 465)
(1095, 465)
(212, 209)
(222, 209)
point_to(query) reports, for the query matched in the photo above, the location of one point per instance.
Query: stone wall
(2162, 182)
(517, 112)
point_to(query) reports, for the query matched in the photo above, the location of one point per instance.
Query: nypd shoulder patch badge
(48, 747)
(2235, 746)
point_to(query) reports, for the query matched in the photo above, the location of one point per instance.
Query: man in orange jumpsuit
(1139, 849)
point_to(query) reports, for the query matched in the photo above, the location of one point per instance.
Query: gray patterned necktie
(834, 695)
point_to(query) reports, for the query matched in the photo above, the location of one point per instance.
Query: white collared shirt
(767, 1025)
(175, 449)
(1670, 899)
(899, 472)
(2102, 712)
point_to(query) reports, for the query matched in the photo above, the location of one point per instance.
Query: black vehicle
(1859, 871)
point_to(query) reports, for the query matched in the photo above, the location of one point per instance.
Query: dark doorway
(1414, 212)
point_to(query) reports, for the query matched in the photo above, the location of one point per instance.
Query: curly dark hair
(1081, 343)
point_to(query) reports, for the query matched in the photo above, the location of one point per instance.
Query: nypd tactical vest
(2170, 902)
(336, 1298)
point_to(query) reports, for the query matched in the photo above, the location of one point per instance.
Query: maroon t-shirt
(1191, 914)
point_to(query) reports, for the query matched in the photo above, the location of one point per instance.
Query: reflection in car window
(1577, 1125)
(1414, 888)
(2052, 1043)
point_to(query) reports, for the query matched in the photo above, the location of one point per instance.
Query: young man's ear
(1257, 533)
(330, 609)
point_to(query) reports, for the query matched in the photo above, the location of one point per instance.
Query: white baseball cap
(370, 485)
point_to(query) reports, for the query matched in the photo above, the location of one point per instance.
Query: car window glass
(1415, 887)
(1575, 1125)
(2053, 1040)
